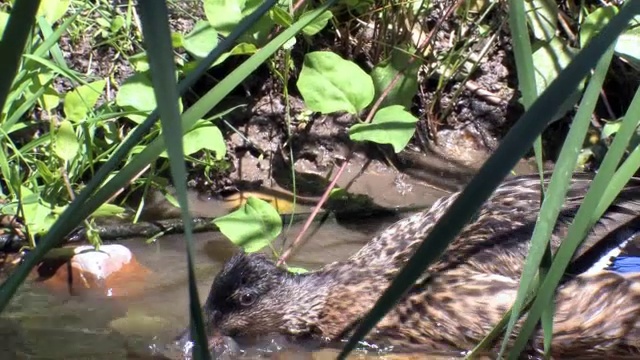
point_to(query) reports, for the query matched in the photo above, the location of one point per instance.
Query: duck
(462, 295)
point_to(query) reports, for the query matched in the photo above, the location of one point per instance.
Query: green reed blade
(14, 39)
(590, 210)
(157, 38)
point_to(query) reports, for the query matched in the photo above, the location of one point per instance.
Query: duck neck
(305, 298)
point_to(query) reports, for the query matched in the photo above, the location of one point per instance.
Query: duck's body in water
(462, 295)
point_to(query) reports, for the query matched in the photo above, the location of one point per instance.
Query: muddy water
(42, 325)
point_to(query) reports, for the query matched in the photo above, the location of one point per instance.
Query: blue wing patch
(625, 264)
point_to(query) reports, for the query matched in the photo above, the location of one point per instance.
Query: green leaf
(53, 10)
(253, 226)
(67, 145)
(627, 47)
(140, 62)
(328, 83)
(4, 17)
(108, 210)
(204, 136)
(549, 60)
(593, 23)
(281, 17)
(47, 175)
(137, 92)
(391, 125)
(542, 16)
(240, 49)
(610, 128)
(201, 40)
(50, 98)
(177, 40)
(405, 88)
(81, 100)
(38, 217)
(224, 15)
(318, 24)
(117, 23)
(297, 270)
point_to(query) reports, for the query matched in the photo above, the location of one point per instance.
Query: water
(40, 324)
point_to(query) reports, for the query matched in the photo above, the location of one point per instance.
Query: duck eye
(247, 299)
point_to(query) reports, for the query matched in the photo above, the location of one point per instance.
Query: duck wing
(498, 240)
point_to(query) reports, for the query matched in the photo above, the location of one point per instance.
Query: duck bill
(216, 343)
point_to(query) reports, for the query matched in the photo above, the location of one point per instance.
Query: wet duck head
(252, 297)
(461, 297)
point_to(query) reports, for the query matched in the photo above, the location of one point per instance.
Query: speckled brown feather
(466, 292)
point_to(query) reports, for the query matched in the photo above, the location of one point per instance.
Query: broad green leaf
(610, 128)
(79, 101)
(37, 216)
(281, 17)
(318, 24)
(224, 15)
(549, 59)
(259, 31)
(593, 23)
(628, 47)
(53, 10)
(542, 16)
(201, 40)
(328, 83)
(140, 62)
(67, 145)
(103, 23)
(253, 226)
(297, 270)
(135, 115)
(471, 6)
(117, 23)
(391, 125)
(204, 136)
(405, 88)
(137, 92)
(50, 98)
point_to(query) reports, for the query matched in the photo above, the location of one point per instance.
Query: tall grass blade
(557, 190)
(157, 38)
(588, 213)
(14, 39)
(527, 84)
(512, 148)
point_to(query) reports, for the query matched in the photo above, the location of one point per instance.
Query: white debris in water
(101, 263)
